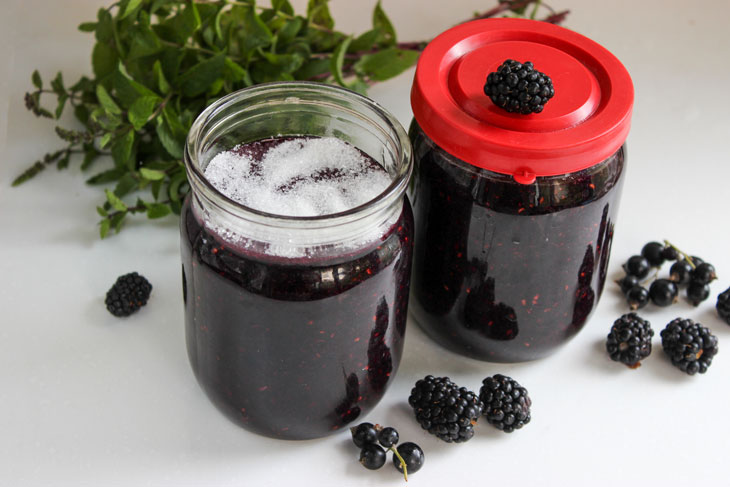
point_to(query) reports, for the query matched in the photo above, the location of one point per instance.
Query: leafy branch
(157, 63)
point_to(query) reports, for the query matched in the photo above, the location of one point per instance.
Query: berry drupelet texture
(629, 341)
(723, 305)
(506, 403)
(128, 294)
(689, 345)
(445, 409)
(519, 87)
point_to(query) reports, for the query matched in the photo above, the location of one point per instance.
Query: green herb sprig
(157, 63)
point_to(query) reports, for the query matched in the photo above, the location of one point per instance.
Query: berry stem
(686, 256)
(402, 462)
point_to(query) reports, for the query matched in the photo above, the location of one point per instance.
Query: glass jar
(514, 213)
(295, 325)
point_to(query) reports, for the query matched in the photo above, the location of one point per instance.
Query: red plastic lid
(585, 122)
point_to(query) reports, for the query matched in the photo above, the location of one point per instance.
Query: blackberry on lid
(519, 87)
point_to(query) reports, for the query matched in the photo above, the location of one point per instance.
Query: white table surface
(88, 399)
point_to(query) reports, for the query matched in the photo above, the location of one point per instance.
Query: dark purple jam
(502, 271)
(299, 347)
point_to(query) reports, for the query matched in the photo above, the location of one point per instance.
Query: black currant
(388, 437)
(704, 273)
(372, 456)
(412, 455)
(637, 297)
(638, 266)
(654, 253)
(680, 272)
(696, 260)
(723, 305)
(627, 282)
(663, 292)
(697, 292)
(364, 434)
(670, 253)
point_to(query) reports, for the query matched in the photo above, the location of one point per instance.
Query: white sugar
(298, 177)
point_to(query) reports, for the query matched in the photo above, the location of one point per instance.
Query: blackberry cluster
(723, 305)
(686, 270)
(506, 403)
(375, 441)
(128, 294)
(689, 345)
(519, 87)
(629, 341)
(445, 409)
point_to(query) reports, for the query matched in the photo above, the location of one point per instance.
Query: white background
(88, 399)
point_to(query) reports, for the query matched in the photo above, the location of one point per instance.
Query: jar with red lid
(514, 213)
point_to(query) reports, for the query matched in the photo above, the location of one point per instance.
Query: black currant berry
(627, 282)
(372, 456)
(388, 437)
(704, 273)
(637, 297)
(697, 292)
(663, 292)
(670, 253)
(412, 455)
(364, 434)
(638, 266)
(723, 305)
(680, 272)
(654, 253)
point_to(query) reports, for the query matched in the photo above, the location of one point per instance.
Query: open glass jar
(295, 325)
(514, 213)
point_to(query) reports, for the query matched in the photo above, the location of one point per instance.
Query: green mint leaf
(101, 211)
(282, 6)
(167, 139)
(152, 174)
(128, 7)
(114, 200)
(160, 79)
(36, 78)
(87, 26)
(104, 26)
(122, 150)
(57, 84)
(365, 41)
(144, 41)
(183, 25)
(105, 140)
(62, 99)
(338, 59)
(106, 101)
(313, 69)
(157, 210)
(176, 182)
(108, 176)
(90, 156)
(255, 33)
(359, 86)
(117, 219)
(318, 12)
(382, 24)
(141, 111)
(104, 227)
(126, 185)
(127, 89)
(197, 79)
(289, 31)
(103, 60)
(386, 64)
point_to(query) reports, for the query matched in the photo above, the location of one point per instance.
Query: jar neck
(297, 109)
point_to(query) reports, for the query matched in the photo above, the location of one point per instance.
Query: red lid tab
(585, 122)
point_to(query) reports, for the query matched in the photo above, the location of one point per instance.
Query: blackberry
(629, 341)
(689, 345)
(723, 305)
(128, 294)
(654, 253)
(445, 409)
(519, 87)
(637, 297)
(638, 266)
(663, 292)
(506, 403)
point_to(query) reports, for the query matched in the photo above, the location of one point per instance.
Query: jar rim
(385, 121)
